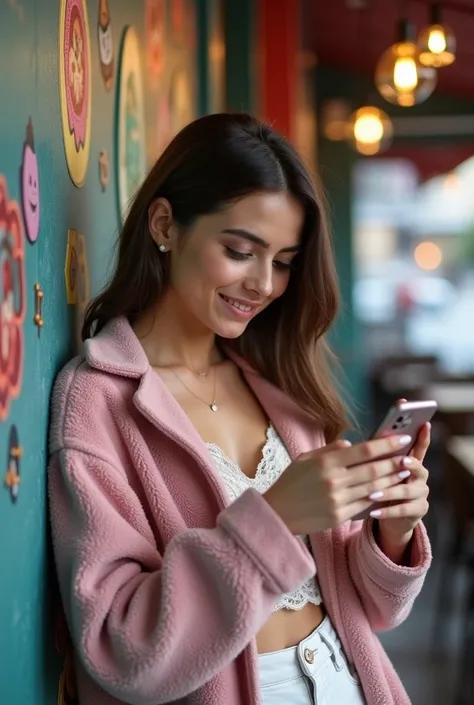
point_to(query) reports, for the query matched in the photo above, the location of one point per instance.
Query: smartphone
(405, 418)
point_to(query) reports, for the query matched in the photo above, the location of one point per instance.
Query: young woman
(204, 508)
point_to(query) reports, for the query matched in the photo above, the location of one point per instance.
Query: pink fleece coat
(163, 586)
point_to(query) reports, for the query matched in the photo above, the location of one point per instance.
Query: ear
(160, 222)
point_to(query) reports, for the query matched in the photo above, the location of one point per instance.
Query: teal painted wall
(29, 667)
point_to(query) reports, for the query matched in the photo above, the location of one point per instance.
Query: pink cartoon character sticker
(29, 185)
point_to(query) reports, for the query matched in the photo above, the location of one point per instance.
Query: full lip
(254, 306)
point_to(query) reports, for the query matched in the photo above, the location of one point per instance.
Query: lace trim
(274, 461)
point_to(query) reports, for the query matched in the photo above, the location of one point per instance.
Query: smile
(239, 308)
(33, 206)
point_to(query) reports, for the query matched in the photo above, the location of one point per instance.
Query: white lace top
(274, 460)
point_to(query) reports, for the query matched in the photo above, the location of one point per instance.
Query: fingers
(405, 492)
(422, 442)
(414, 509)
(382, 481)
(363, 453)
(370, 472)
(375, 491)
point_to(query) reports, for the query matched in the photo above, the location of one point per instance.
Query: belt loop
(336, 656)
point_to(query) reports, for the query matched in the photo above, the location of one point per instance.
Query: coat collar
(116, 350)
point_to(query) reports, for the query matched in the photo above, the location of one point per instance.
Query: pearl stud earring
(162, 248)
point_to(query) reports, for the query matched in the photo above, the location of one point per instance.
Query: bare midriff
(287, 628)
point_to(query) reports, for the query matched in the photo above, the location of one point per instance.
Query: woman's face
(231, 265)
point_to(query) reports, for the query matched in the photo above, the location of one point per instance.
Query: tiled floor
(426, 661)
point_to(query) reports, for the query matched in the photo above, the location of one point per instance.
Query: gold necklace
(213, 406)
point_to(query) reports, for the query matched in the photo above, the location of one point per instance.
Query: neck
(172, 337)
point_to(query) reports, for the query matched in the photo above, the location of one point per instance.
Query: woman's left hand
(404, 505)
(407, 503)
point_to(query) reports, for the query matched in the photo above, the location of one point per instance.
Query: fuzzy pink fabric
(164, 588)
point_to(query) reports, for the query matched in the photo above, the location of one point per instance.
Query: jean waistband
(309, 656)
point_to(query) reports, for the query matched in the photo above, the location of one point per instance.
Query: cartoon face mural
(12, 474)
(29, 185)
(75, 86)
(12, 299)
(106, 44)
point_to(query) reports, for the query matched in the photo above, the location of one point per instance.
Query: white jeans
(315, 672)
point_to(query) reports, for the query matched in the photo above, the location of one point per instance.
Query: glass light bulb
(405, 74)
(368, 129)
(437, 41)
(400, 76)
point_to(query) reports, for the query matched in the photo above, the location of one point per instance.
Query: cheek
(280, 284)
(206, 271)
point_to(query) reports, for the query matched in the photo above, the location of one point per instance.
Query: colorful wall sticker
(130, 121)
(104, 169)
(29, 186)
(106, 44)
(155, 23)
(83, 293)
(75, 86)
(38, 317)
(11, 479)
(76, 270)
(71, 267)
(12, 299)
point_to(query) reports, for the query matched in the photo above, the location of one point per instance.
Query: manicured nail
(344, 443)
(404, 474)
(375, 513)
(408, 462)
(375, 495)
(404, 440)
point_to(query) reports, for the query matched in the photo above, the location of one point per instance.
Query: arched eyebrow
(256, 239)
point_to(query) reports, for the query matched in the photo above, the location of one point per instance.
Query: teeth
(236, 304)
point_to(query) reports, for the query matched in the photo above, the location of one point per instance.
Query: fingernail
(429, 426)
(404, 440)
(407, 461)
(375, 513)
(404, 474)
(345, 444)
(375, 495)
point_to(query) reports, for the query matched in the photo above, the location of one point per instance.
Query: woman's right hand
(322, 489)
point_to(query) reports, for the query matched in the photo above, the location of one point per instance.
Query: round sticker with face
(29, 182)
(75, 86)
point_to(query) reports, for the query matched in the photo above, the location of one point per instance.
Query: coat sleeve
(387, 590)
(150, 626)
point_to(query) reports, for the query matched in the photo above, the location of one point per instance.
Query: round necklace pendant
(214, 407)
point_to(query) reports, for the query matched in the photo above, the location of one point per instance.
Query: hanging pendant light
(370, 130)
(400, 77)
(437, 42)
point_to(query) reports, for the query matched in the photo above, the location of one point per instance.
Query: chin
(229, 330)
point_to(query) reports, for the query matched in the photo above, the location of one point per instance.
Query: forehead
(275, 217)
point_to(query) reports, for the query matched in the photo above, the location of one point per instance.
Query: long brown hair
(212, 162)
